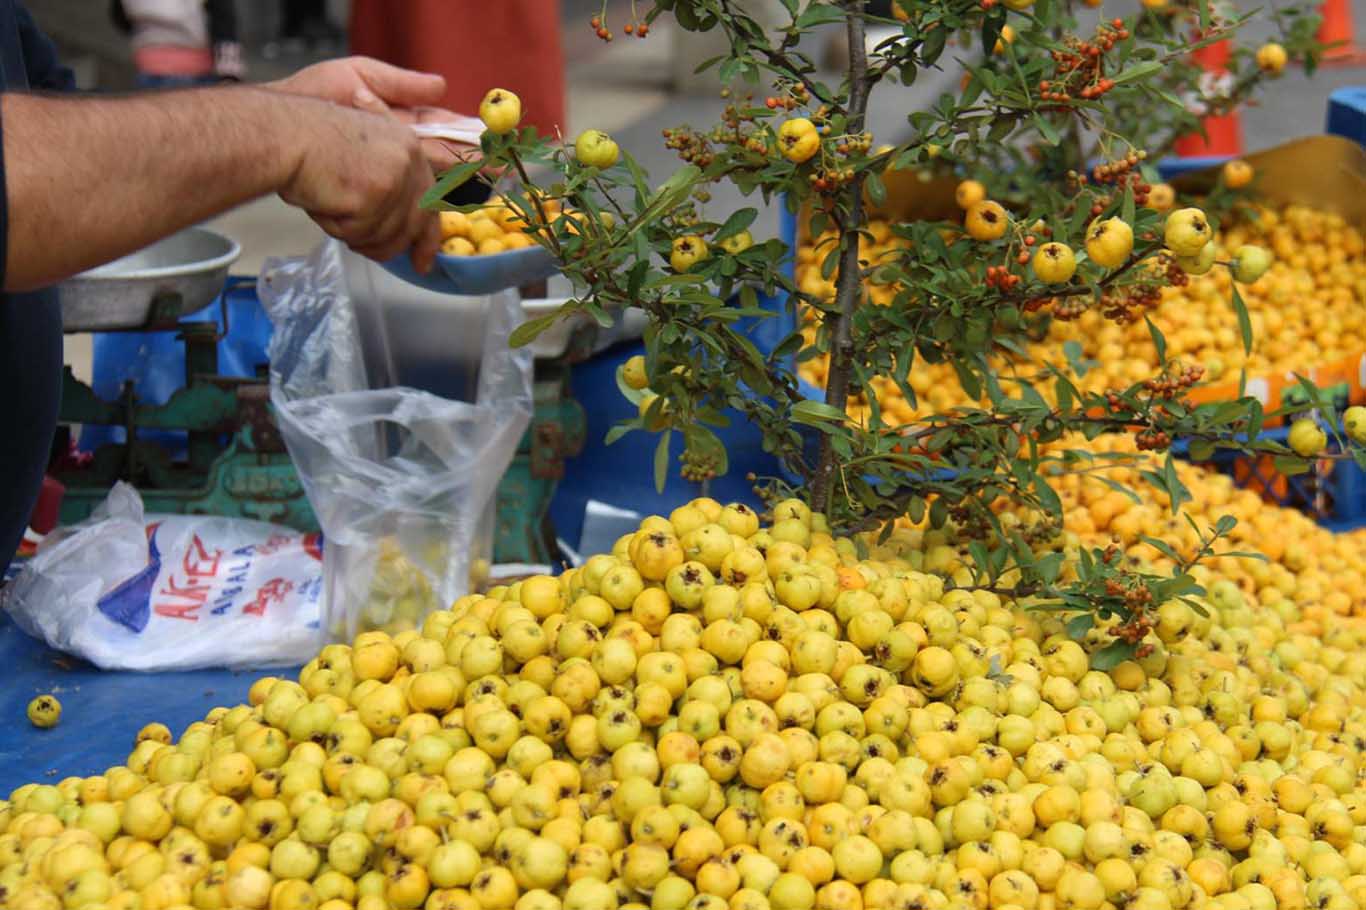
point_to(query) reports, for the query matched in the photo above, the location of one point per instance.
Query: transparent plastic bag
(402, 479)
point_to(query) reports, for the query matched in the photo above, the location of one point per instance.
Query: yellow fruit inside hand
(1237, 174)
(738, 243)
(1271, 58)
(798, 139)
(1161, 197)
(594, 148)
(44, 711)
(688, 250)
(633, 373)
(1109, 242)
(986, 220)
(1306, 439)
(969, 193)
(501, 111)
(1055, 263)
(1187, 231)
(1354, 424)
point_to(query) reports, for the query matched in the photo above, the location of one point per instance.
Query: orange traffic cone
(1223, 132)
(1336, 29)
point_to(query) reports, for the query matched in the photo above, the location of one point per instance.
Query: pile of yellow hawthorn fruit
(721, 715)
(1307, 310)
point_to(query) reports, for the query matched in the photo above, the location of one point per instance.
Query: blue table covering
(101, 712)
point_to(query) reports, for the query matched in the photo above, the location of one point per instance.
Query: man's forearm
(89, 180)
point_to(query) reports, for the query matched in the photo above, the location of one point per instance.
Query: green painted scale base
(236, 463)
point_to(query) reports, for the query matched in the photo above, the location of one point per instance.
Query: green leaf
(1244, 321)
(1046, 129)
(1138, 71)
(1112, 655)
(738, 221)
(452, 179)
(528, 331)
(1162, 547)
(815, 413)
(662, 461)
(1126, 206)
(1159, 340)
(818, 14)
(877, 191)
(618, 431)
(1078, 626)
(1291, 465)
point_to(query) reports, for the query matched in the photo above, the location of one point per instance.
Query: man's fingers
(368, 101)
(428, 242)
(400, 87)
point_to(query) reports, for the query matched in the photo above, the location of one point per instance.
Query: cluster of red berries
(1023, 256)
(1069, 308)
(1079, 67)
(1152, 440)
(639, 29)
(1127, 305)
(1035, 304)
(796, 96)
(1175, 381)
(1137, 628)
(1000, 277)
(830, 180)
(692, 147)
(698, 467)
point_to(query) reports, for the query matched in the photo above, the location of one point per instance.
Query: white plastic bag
(129, 591)
(402, 480)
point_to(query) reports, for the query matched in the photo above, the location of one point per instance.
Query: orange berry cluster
(1118, 173)
(795, 97)
(1173, 382)
(639, 29)
(1079, 68)
(1000, 277)
(1126, 305)
(691, 147)
(1151, 440)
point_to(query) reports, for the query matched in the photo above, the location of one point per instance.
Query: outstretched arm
(89, 180)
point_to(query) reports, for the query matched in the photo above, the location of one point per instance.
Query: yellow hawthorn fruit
(1161, 197)
(1306, 439)
(501, 111)
(1354, 424)
(1250, 262)
(738, 243)
(686, 252)
(798, 139)
(44, 711)
(594, 148)
(986, 219)
(968, 193)
(633, 372)
(1109, 242)
(1201, 262)
(1271, 58)
(1186, 232)
(1055, 263)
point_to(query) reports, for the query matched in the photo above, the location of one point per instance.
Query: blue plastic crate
(1347, 113)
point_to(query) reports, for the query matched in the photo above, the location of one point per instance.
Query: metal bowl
(152, 288)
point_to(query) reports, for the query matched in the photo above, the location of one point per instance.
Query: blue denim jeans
(155, 81)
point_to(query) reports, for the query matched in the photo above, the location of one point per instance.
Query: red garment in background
(476, 45)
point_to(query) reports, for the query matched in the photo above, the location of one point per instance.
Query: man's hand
(380, 88)
(361, 177)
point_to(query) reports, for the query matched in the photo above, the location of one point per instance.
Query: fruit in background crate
(44, 711)
(594, 148)
(1237, 174)
(501, 111)
(495, 228)
(1306, 439)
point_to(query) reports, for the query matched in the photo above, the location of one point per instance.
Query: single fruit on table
(1250, 262)
(633, 373)
(1354, 423)
(969, 193)
(1007, 37)
(986, 220)
(1186, 232)
(738, 243)
(1271, 58)
(1109, 242)
(798, 139)
(1161, 196)
(1201, 262)
(1306, 439)
(44, 711)
(501, 111)
(1055, 263)
(687, 251)
(594, 148)
(1237, 174)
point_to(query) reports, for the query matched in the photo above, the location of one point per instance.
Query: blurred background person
(178, 43)
(513, 44)
(304, 26)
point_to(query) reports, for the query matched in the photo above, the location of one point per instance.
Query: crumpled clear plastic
(403, 480)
